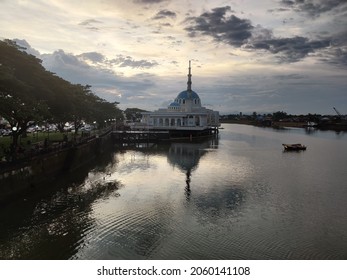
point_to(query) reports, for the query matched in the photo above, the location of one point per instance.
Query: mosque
(185, 116)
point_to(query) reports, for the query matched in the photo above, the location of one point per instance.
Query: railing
(140, 126)
(22, 155)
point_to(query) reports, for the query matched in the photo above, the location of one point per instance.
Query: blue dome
(184, 95)
(174, 104)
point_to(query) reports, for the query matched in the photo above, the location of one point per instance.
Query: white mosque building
(185, 115)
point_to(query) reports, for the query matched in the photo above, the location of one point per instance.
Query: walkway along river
(235, 196)
(24, 175)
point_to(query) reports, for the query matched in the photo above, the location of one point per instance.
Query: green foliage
(279, 115)
(133, 114)
(28, 92)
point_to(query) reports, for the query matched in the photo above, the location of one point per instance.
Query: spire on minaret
(189, 83)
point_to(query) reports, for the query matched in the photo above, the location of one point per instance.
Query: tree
(279, 115)
(105, 112)
(28, 93)
(133, 114)
(16, 103)
(19, 113)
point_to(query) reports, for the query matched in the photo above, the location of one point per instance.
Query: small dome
(174, 104)
(184, 95)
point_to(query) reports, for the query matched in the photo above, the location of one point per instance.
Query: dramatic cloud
(336, 56)
(242, 33)
(164, 14)
(315, 8)
(229, 29)
(105, 82)
(265, 55)
(290, 49)
(93, 57)
(127, 61)
(67, 66)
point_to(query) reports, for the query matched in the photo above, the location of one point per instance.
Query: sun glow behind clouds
(131, 50)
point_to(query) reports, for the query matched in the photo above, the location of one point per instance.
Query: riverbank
(337, 126)
(273, 124)
(25, 176)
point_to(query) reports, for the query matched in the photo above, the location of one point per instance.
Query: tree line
(29, 93)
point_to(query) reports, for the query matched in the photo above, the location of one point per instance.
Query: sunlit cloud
(246, 56)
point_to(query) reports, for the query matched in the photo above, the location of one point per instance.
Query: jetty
(154, 136)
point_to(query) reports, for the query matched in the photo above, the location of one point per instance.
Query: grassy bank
(32, 139)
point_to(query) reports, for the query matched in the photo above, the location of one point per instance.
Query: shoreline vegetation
(339, 126)
(273, 124)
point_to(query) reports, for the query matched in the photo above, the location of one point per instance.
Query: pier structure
(142, 136)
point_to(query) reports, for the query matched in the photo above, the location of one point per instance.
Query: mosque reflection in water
(186, 156)
(64, 217)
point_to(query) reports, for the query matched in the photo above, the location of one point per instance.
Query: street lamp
(14, 129)
(14, 143)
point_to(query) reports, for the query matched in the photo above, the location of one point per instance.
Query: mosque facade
(185, 113)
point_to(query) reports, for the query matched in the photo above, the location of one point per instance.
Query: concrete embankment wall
(26, 176)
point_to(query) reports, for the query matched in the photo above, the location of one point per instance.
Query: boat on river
(294, 147)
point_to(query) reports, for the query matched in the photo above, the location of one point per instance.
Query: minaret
(189, 83)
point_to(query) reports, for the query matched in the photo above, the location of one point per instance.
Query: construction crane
(340, 117)
(337, 112)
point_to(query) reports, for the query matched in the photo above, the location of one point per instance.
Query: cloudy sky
(247, 55)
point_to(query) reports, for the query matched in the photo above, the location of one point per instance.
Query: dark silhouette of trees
(30, 93)
(279, 115)
(133, 114)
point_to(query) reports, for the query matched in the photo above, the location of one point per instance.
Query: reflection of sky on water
(186, 156)
(163, 190)
(56, 225)
(161, 193)
(235, 197)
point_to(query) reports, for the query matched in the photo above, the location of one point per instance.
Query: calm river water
(239, 196)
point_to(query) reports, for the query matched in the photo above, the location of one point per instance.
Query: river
(237, 196)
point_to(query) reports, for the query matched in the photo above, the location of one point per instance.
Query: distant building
(185, 114)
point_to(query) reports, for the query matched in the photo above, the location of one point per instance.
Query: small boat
(311, 124)
(294, 147)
